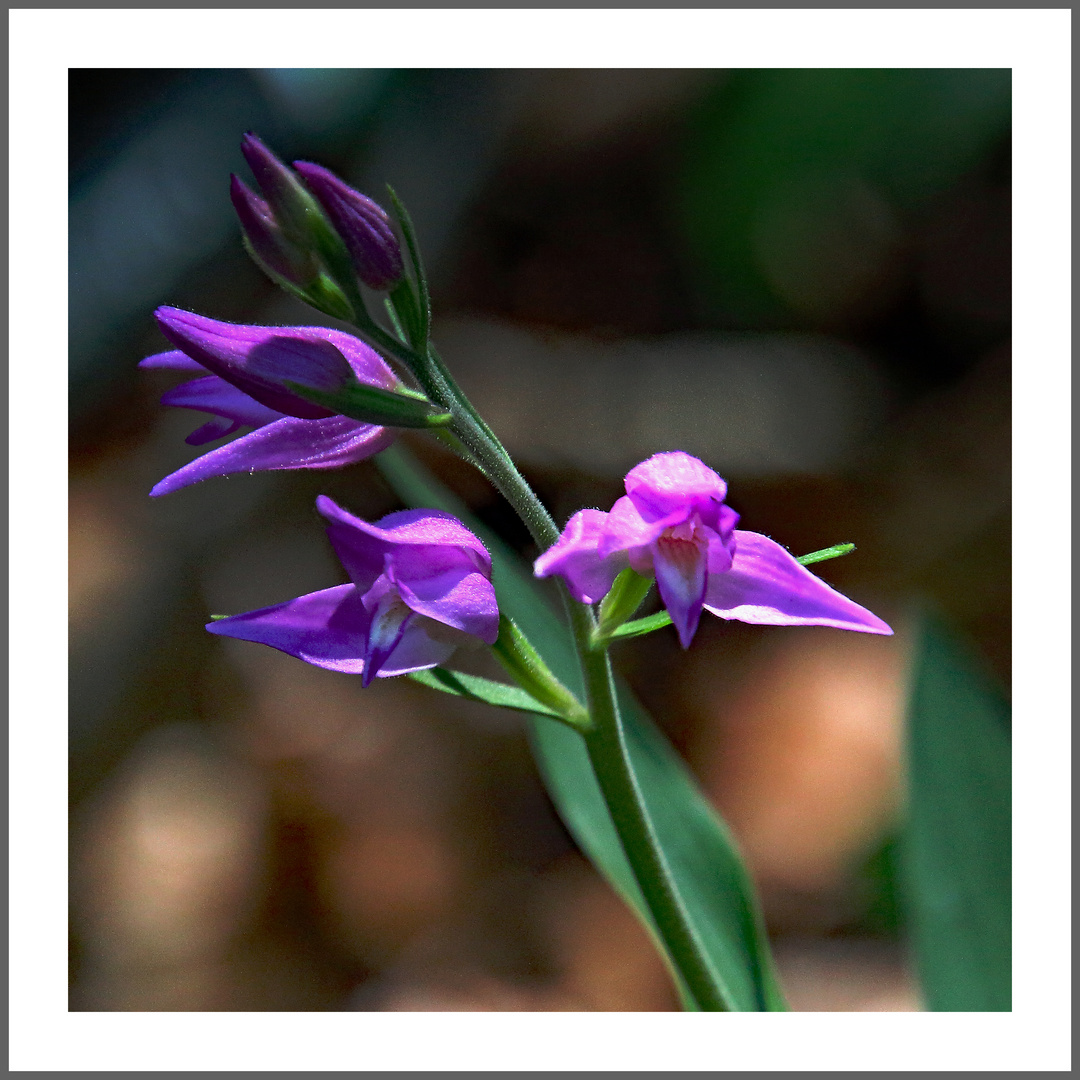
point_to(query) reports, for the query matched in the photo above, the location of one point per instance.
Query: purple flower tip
(362, 224)
(674, 525)
(420, 587)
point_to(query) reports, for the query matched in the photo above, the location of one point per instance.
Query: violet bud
(295, 211)
(266, 240)
(361, 223)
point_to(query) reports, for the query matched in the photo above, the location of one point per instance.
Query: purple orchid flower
(245, 369)
(421, 586)
(673, 525)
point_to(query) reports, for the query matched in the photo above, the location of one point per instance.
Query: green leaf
(421, 302)
(957, 850)
(476, 688)
(374, 405)
(705, 863)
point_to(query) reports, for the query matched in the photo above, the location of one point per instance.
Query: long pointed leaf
(477, 688)
(957, 844)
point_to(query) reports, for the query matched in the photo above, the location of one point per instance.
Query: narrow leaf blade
(957, 853)
(476, 688)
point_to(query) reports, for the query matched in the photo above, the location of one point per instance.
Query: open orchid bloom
(421, 586)
(244, 372)
(674, 525)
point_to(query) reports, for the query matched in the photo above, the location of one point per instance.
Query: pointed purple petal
(214, 395)
(289, 443)
(173, 360)
(261, 359)
(574, 558)
(766, 585)
(404, 529)
(326, 628)
(681, 573)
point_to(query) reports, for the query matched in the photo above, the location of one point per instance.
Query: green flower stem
(606, 740)
(610, 757)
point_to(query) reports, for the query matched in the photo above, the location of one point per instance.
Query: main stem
(606, 741)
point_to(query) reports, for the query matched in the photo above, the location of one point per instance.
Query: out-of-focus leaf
(957, 845)
(708, 871)
(476, 688)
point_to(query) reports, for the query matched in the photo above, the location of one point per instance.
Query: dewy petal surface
(289, 443)
(326, 628)
(575, 558)
(767, 585)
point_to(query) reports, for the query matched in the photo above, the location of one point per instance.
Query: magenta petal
(767, 585)
(625, 529)
(574, 558)
(681, 569)
(289, 443)
(326, 628)
(671, 483)
(464, 601)
(434, 534)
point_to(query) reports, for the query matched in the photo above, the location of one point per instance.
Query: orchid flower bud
(266, 240)
(361, 223)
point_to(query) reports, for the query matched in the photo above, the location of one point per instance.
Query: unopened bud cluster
(312, 231)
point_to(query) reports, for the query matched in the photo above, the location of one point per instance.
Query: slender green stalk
(610, 757)
(606, 741)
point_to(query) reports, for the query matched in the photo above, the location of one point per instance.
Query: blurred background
(801, 276)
